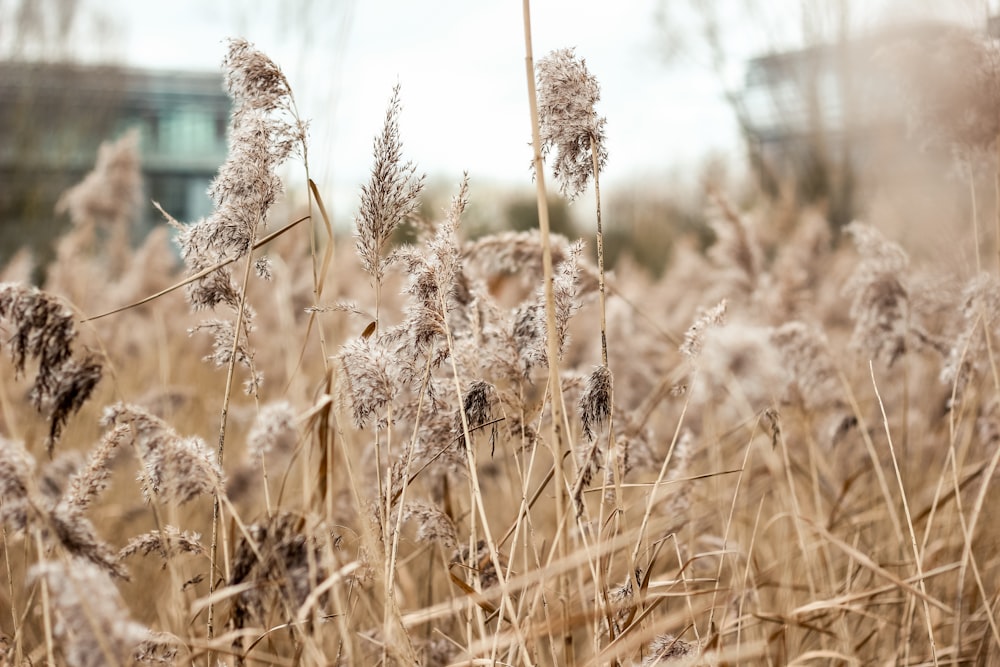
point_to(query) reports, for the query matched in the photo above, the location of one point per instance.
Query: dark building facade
(53, 118)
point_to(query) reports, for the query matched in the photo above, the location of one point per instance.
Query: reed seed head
(568, 122)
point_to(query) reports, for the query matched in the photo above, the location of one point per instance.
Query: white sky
(460, 64)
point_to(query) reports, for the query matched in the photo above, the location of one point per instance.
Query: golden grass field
(334, 450)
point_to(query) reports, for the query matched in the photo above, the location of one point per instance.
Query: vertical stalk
(996, 183)
(975, 220)
(559, 427)
(46, 607)
(10, 584)
(600, 253)
(230, 373)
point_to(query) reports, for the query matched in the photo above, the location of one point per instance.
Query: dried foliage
(40, 327)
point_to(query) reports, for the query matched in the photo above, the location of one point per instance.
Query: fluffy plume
(281, 579)
(106, 199)
(880, 305)
(21, 505)
(595, 403)
(621, 600)
(54, 477)
(738, 362)
(736, 251)
(595, 409)
(273, 432)
(167, 543)
(530, 332)
(432, 524)
(805, 356)
(255, 81)
(667, 649)
(265, 131)
(88, 483)
(43, 329)
(368, 385)
(478, 405)
(434, 278)
(567, 94)
(969, 355)
(694, 337)
(92, 623)
(222, 340)
(516, 255)
(174, 469)
(16, 469)
(77, 535)
(389, 197)
(953, 81)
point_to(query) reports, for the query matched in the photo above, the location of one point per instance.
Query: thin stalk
(312, 195)
(405, 478)
(975, 220)
(600, 253)
(651, 500)
(909, 520)
(476, 493)
(744, 467)
(201, 274)
(965, 563)
(559, 426)
(996, 184)
(50, 654)
(230, 374)
(10, 583)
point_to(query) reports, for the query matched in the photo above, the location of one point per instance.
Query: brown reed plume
(971, 353)
(880, 306)
(247, 185)
(42, 329)
(174, 469)
(567, 94)
(50, 518)
(668, 649)
(265, 131)
(389, 197)
(105, 201)
(92, 623)
(568, 122)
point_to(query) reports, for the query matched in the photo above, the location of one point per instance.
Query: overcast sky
(460, 65)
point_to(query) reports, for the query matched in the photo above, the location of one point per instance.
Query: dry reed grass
(793, 462)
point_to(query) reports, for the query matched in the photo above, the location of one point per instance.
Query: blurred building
(53, 118)
(831, 118)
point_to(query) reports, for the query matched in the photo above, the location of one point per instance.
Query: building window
(187, 132)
